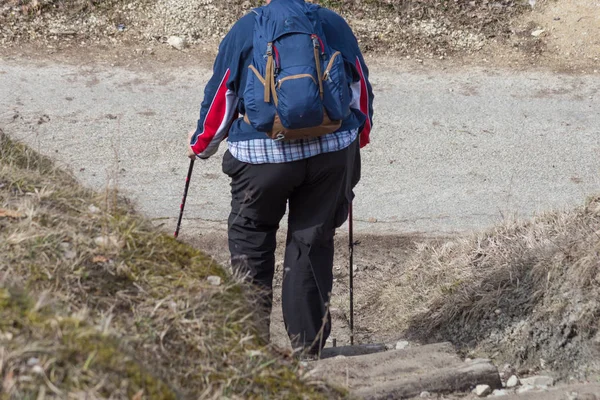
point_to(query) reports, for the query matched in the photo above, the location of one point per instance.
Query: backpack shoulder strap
(312, 12)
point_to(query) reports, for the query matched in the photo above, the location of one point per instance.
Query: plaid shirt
(262, 151)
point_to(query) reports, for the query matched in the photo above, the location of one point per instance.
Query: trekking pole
(185, 191)
(351, 248)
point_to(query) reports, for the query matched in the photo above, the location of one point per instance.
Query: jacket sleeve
(220, 105)
(362, 97)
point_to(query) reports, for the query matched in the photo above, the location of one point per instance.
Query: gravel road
(451, 152)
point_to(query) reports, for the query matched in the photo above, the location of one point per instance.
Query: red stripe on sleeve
(214, 117)
(364, 106)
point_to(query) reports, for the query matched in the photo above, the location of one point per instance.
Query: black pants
(318, 190)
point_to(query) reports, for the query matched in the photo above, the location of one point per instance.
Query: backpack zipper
(330, 65)
(287, 78)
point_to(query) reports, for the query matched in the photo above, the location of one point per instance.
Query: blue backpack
(296, 85)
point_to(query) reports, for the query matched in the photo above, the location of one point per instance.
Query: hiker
(291, 94)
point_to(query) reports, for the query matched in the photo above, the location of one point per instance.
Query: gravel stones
(421, 29)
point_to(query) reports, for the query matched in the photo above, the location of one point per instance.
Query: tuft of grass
(140, 291)
(525, 292)
(42, 351)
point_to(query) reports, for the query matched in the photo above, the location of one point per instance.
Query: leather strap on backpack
(316, 47)
(269, 72)
(270, 76)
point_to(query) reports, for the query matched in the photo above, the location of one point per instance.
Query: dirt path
(452, 151)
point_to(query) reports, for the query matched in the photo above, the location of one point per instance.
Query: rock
(540, 381)
(512, 382)
(525, 388)
(402, 344)
(37, 369)
(214, 280)
(582, 391)
(537, 32)
(177, 42)
(70, 254)
(254, 353)
(33, 361)
(482, 390)
(351, 351)
(406, 373)
(581, 396)
(587, 396)
(108, 241)
(499, 392)
(425, 395)
(479, 361)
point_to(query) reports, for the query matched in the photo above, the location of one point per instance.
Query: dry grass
(48, 354)
(120, 310)
(525, 292)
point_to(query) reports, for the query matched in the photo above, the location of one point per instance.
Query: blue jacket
(223, 95)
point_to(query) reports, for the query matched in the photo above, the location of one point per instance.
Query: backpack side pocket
(336, 92)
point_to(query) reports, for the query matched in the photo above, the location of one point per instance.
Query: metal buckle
(279, 137)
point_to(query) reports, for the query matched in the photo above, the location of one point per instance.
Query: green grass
(110, 306)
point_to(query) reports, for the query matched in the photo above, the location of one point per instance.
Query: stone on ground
(512, 382)
(525, 388)
(352, 351)
(565, 392)
(482, 390)
(434, 368)
(177, 42)
(402, 344)
(540, 381)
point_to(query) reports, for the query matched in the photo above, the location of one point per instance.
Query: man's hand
(191, 153)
